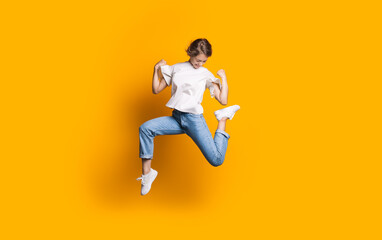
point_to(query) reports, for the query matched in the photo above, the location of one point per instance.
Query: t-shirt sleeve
(209, 83)
(167, 72)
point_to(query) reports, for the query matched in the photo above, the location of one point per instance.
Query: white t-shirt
(188, 86)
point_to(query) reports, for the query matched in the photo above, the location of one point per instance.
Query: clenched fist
(160, 63)
(221, 73)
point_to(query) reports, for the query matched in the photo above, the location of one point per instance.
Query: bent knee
(216, 162)
(146, 130)
(144, 127)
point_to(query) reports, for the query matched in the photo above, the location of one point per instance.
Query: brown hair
(200, 45)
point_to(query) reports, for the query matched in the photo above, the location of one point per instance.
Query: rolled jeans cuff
(222, 132)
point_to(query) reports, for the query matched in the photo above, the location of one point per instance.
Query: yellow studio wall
(303, 160)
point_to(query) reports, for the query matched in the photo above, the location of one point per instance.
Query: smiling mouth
(195, 66)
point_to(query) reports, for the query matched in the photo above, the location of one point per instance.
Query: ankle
(146, 171)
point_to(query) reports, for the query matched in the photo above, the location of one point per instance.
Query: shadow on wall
(179, 162)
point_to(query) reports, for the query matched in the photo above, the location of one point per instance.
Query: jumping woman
(189, 80)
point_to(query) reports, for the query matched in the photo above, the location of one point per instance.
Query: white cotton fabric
(188, 86)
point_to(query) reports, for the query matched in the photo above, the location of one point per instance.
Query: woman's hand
(222, 96)
(221, 73)
(160, 63)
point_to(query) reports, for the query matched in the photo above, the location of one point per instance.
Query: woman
(189, 80)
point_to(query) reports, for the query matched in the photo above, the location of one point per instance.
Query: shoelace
(143, 180)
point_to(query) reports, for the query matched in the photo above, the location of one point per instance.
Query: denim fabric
(194, 125)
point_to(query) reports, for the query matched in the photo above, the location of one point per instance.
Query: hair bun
(198, 46)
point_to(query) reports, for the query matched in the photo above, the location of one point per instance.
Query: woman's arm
(158, 81)
(221, 94)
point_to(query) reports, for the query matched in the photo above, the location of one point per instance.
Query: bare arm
(221, 94)
(158, 81)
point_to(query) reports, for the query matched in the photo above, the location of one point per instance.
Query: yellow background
(303, 161)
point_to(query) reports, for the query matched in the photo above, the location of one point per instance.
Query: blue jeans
(194, 125)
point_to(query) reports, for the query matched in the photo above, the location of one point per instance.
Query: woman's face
(198, 61)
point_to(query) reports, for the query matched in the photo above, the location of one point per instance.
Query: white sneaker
(228, 112)
(147, 180)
